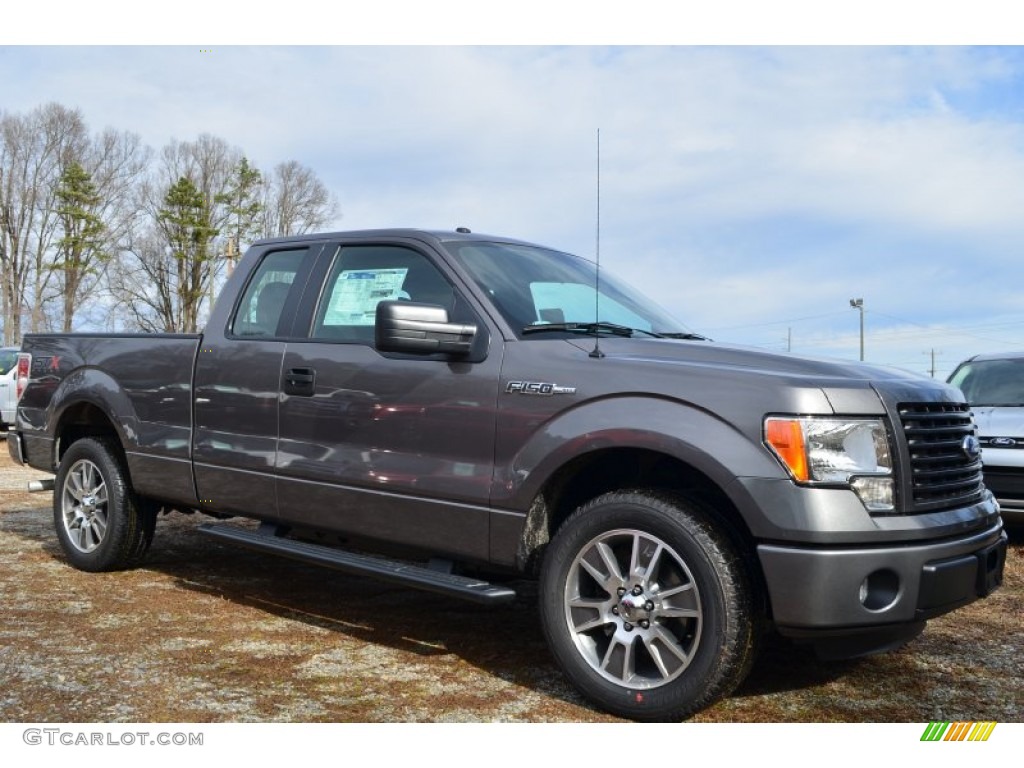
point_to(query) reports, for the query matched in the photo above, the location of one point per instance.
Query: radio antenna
(596, 351)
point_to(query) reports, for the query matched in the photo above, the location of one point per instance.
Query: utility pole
(932, 370)
(231, 253)
(230, 256)
(859, 304)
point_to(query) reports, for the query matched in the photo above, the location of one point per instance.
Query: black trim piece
(393, 571)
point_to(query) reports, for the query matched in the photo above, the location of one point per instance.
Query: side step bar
(387, 570)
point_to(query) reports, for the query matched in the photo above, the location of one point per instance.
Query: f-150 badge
(537, 388)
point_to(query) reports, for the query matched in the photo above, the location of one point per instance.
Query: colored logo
(958, 731)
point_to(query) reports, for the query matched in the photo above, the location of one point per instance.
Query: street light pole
(859, 304)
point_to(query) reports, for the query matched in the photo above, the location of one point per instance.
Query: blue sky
(750, 190)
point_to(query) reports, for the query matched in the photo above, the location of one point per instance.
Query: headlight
(851, 452)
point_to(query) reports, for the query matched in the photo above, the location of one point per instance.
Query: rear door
(386, 446)
(237, 381)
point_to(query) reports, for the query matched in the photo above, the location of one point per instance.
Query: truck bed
(141, 383)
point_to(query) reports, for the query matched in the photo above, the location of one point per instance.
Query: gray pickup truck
(448, 410)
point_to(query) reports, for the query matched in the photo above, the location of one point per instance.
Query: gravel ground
(205, 632)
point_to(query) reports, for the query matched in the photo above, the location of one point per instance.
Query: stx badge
(537, 388)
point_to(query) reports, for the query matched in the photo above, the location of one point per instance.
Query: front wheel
(100, 523)
(647, 607)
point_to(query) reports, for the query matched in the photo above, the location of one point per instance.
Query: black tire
(685, 613)
(100, 523)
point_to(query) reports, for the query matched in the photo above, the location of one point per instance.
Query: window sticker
(357, 292)
(576, 304)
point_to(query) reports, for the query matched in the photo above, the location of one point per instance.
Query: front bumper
(819, 592)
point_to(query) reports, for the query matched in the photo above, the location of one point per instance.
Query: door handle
(300, 381)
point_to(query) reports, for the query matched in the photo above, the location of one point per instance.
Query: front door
(385, 446)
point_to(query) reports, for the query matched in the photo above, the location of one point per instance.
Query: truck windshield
(540, 289)
(991, 382)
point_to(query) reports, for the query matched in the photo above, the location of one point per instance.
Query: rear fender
(94, 387)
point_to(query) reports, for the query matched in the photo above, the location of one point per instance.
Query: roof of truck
(461, 233)
(1011, 355)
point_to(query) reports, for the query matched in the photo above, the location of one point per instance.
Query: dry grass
(209, 633)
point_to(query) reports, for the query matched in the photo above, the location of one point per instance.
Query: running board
(386, 570)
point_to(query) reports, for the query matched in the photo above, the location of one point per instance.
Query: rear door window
(260, 313)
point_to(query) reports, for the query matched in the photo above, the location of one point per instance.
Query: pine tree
(183, 220)
(80, 251)
(243, 204)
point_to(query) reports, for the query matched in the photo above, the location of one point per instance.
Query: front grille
(942, 474)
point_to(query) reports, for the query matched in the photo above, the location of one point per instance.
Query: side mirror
(420, 329)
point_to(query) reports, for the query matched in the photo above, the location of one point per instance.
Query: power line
(896, 334)
(773, 322)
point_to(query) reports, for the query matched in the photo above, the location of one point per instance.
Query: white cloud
(738, 185)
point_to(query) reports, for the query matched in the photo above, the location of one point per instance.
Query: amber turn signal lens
(786, 438)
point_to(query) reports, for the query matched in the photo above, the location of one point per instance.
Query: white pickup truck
(994, 386)
(8, 386)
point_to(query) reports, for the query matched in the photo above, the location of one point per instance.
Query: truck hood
(999, 420)
(728, 377)
(747, 359)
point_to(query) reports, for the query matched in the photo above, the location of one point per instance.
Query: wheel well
(84, 420)
(593, 474)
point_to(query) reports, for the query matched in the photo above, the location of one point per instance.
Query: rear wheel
(100, 523)
(648, 608)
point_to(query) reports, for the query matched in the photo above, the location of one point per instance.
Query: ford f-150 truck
(445, 409)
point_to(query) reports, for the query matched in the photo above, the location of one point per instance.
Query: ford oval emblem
(971, 447)
(1003, 442)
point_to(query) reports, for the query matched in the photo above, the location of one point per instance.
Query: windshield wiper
(593, 328)
(690, 336)
(615, 329)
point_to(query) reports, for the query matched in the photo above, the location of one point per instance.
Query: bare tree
(173, 254)
(33, 151)
(19, 184)
(296, 201)
(14, 211)
(161, 277)
(143, 281)
(90, 223)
